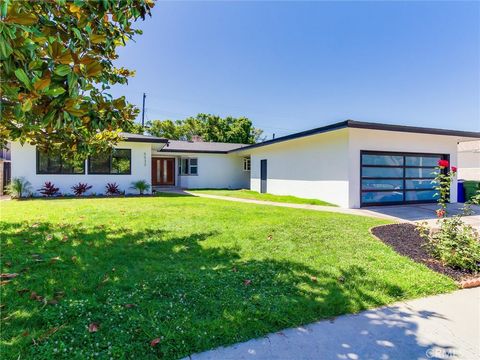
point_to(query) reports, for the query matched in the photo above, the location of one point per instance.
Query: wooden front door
(163, 171)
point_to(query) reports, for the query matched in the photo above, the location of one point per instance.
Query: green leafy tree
(135, 128)
(165, 128)
(56, 63)
(209, 127)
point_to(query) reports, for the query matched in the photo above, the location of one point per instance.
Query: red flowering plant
(443, 181)
(454, 243)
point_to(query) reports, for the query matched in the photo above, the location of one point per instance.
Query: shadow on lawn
(212, 294)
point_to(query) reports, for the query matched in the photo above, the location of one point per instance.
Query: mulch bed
(405, 239)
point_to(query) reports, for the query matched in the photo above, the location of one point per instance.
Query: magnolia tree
(56, 64)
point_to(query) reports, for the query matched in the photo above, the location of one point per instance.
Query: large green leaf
(55, 91)
(23, 77)
(63, 70)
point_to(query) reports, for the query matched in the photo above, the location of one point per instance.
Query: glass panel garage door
(398, 178)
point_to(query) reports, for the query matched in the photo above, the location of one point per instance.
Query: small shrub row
(20, 188)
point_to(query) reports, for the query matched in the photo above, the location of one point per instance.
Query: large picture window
(118, 162)
(189, 166)
(398, 178)
(55, 165)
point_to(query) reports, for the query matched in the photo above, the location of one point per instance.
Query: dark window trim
(181, 173)
(37, 158)
(400, 166)
(395, 178)
(110, 173)
(404, 178)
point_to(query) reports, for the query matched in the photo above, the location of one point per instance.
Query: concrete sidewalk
(437, 327)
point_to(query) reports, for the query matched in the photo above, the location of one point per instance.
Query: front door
(263, 176)
(163, 171)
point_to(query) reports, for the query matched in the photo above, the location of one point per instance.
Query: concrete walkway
(426, 212)
(400, 213)
(437, 327)
(361, 212)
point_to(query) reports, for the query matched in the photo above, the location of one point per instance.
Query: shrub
(141, 186)
(112, 189)
(19, 187)
(454, 243)
(81, 188)
(48, 189)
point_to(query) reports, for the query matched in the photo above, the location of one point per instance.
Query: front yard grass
(254, 195)
(196, 273)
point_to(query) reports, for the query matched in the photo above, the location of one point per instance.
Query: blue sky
(291, 66)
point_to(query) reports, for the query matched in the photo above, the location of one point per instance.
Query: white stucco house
(350, 163)
(469, 160)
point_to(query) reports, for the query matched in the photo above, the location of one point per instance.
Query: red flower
(454, 169)
(440, 213)
(93, 327)
(443, 163)
(155, 342)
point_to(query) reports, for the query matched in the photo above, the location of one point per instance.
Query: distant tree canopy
(209, 127)
(56, 65)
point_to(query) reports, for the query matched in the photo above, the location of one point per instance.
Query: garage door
(389, 178)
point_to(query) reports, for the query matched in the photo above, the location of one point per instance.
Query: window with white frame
(189, 166)
(246, 164)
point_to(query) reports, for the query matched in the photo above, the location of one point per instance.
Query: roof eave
(155, 141)
(166, 150)
(411, 129)
(323, 129)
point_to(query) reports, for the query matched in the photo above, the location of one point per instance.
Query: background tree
(56, 63)
(209, 127)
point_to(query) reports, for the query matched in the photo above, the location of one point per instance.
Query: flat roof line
(364, 125)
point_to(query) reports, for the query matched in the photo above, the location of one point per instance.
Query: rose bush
(454, 243)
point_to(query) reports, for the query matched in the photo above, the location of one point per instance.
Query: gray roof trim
(411, 129)
(200, 147)
(142, 138)
(364, 125)
(323, 129)
(166, 150)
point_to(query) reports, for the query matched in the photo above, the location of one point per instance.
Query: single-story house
(350, 163)
(469, 160)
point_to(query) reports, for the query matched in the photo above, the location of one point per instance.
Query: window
(188, 166)
(246, 164)
(398, 178)
(118, 162)
(54, 164)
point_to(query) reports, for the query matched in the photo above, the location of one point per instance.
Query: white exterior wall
(469, 160)
(220, 171)
(378, 140)
(24, 164)
(314, 167)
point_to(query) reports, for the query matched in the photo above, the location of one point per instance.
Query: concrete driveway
(423, 212)
(438, 327)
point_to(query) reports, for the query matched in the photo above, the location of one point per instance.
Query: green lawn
(197, 273)
(249, 194)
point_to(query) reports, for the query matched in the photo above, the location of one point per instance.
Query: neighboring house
(469, 160)
(5, 168)
(351, 164)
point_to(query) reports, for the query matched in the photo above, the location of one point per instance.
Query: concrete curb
(469, 283)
